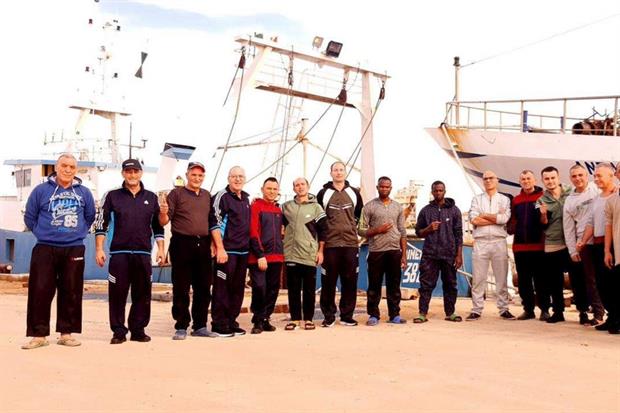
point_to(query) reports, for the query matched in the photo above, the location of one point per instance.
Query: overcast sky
(192, 60)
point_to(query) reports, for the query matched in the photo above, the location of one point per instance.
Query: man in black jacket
(136, 220)
(440, 224)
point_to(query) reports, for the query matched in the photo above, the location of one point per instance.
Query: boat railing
(576, 115)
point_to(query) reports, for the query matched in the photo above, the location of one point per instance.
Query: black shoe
(142, 338)
(583, 319)
(526, 315)
(238, 331)
(350, 322)
(257, 329)
(603, 327)
(544, 316)
(328, 323)
(118, 340)
(473, 317)
(221, 332)
(556, 318)
(507, 315)
(267, 326)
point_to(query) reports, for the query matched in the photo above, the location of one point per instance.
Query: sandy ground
(490, 365)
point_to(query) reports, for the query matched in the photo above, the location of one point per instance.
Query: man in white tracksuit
(489, 213)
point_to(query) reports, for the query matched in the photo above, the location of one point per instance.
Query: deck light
(333, 49)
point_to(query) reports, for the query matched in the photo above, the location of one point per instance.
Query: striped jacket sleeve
(102, 220)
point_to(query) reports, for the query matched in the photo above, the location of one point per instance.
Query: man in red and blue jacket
(266, 255)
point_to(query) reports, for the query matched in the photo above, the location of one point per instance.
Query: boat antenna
(289, 105)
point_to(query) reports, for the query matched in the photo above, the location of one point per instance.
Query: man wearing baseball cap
(135, 211)
(187, 209)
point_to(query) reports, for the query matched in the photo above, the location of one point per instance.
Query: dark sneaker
(526, 315)
(180, 335)
(473, 317)
(603, 327)
(238, 331)
(544, 316)
(141, 338)
(257, 328)
(507, 315)
(556, 318)
(583, 319)
(221, 332)
(118, 340)
(348, 322)
(267, 326)
(328, 323)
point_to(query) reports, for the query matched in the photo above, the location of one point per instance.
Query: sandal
(68, 341)
(293, 325)
(309, 325)
(454, 317)
(34, 343)
(420, 319)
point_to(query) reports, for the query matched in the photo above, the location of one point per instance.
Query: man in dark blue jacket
(59, 212)
(440, 224)
(229, 220)
(135, 213)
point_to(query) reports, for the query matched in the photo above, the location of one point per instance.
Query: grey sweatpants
(495, 252)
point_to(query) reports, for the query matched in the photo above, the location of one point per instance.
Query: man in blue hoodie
(59, 212)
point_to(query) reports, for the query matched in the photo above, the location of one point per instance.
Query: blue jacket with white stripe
(230, 214)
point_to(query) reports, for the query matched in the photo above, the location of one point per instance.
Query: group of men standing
(215, 240)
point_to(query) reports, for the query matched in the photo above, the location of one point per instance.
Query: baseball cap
(193, 165)
(132, 164)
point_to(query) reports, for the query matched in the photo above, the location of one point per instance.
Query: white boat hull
(509, 153)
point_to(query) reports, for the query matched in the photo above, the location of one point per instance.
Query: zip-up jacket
(135, 220)
(554, 230)
(445, 242)
(60, 216)
(343, 210)
(304, 227)
(265, 232)
(577, 208)
(525, 222)
(230, 214)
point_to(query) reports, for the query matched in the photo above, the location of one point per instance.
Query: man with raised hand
(612, 257)
(343, 206)
(59, 212)
(440, 224)
(304, 240)
(266, 255)
(229, 220)
(596, 227)
(135, 214)
(383, 224)
(187, 208)
(577, 208)
(556, 258)
(489, 213)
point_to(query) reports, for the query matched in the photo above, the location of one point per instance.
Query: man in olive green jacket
(304, 222)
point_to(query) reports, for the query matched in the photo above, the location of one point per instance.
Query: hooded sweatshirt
(445, 242)
(304, 227)
(60, 216)
(343, 210)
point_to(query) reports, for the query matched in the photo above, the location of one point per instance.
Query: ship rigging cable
(241, 66)
(583, 26)
(287, 116)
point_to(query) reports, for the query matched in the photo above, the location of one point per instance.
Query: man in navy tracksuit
(229, 220)
(135, 213)
(59, 212)
(440, 224)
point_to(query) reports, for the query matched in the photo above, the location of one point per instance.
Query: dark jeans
(340, 262)
(228, 288)
(54, 268)
(265, 287)
(429, 274)
(125, 271)
(606, 282)
(531, 284)
(594, 297)
(191, 265)
(388, 263)
(556, 263)
(577, 276)
(301, 278)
